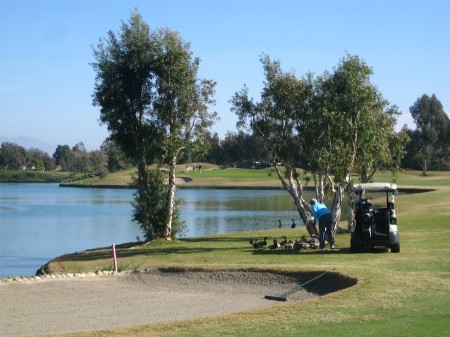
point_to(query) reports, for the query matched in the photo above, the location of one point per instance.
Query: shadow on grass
(214, 239)
(125, 252)
(309, 251)
(181, 247)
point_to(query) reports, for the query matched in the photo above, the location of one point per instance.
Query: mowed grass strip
(405, 294)
(210, 176)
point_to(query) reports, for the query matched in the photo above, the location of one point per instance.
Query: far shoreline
(403, 190)
(185, 187)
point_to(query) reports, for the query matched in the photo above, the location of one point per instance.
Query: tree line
(236, 149)
(109, 158)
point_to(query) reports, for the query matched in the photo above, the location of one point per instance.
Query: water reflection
(41, 221)
(222, 211)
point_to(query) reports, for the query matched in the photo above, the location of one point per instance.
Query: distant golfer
(323, 215)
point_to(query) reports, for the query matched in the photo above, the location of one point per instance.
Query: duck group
(300, 243)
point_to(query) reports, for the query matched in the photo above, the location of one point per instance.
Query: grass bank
(34, 176)
(209, 177)
(405, 294)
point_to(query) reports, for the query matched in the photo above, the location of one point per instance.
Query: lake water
(39, 222)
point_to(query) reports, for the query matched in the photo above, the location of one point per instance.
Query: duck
(260, 244)
(252, 241)
(299, 244)
(279, 224)
(283, 243)
(275, 245)
(314, 243)
(304, 239)
(293, 224)
(289, 245)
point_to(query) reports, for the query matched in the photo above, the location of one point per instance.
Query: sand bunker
(96, 303)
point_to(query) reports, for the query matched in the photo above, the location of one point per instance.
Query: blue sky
(46, 81)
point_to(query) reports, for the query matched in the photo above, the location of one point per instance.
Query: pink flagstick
(114, 257)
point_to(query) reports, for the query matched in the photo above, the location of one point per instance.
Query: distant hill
(29, 142)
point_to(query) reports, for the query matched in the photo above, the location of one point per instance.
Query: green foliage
(360, 121)
(152, 103)
(274, 118)
(332, 125)
(242, 150)
(15, 157)
(63, 157)
(431, 139)
(34, 176)
(151, 207)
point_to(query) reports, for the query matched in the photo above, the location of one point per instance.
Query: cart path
(97, 303)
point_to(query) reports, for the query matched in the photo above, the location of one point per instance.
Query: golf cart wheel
(354, 248)
(395, 248)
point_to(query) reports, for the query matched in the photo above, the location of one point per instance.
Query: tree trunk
(424, 168)
(142, 180)
(319, 186)
(350, 215)
(295, 189)
(171, 199)
(338, 202)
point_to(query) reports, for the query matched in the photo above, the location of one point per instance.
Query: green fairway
(405, 294)
(209, 177)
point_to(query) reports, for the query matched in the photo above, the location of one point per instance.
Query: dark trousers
(325, 224)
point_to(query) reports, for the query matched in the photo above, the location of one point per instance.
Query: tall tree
(117, 160)
(432, 125)
(214, 154)
(12, 156)
(124, 91)
(181, 108)
(359, 122)
(274, 118)
(63, 156)
(40, 159)
(332, 125)
(152, 101)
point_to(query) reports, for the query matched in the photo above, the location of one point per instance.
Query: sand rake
(283, 296)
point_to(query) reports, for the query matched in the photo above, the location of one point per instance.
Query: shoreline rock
(46, 277)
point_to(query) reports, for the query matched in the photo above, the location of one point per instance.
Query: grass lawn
(34, 176)
(210, 176)
(405, 294)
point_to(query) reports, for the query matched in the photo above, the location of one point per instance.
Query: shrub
(151, 207)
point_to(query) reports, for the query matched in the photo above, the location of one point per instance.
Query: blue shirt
(319, 210)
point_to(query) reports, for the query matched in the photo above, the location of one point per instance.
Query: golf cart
(375, 222)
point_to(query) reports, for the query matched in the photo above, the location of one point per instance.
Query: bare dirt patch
(95, 303)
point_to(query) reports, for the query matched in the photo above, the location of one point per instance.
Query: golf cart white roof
(376, 187)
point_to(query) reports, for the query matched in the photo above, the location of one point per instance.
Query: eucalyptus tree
(12, 156)
(359, 123)
(398, 144)
(181, 106)
(315, 128)
(432, 130)
(63, 156)
(124, 90)
(274, 118)
(379, 146)
(117, 160)
(152, 103)
(334, 125)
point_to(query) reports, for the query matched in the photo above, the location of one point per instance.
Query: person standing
(323, 215)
